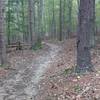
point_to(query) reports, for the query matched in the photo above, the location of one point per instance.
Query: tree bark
(83, 37)
(30, 6)
(69, 21)
(60, 20)
(3, 57)
(93, 26)
(8, 22)
(53, 25)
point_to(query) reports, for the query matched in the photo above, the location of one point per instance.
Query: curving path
(22, 84)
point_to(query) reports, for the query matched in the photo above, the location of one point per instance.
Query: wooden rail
(18, 46)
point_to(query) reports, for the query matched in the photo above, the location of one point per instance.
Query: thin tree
(8, 21)
(30, 6)
(40, 19)
(53, 25)
(93, 25)
(2, 35)
(69, 19)
(60, 21)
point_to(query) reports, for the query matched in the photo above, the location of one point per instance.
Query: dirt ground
(46, 74)
(61, 84)
(20, 80)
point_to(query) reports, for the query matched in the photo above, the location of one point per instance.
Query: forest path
(22, 84)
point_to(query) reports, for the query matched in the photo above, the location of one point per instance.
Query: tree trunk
(8, 22)
(40, 19)
(60, 20)
(93, 26)
(2, 35)
(53, 25)
(30, 3)
(69, 21)
(83, 37)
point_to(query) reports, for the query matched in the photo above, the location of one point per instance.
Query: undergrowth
(38, 45)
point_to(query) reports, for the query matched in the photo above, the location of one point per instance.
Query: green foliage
(17, 17)
(1, 65)
(4, 66)
(38, 45)
(68, 71)
(77, 88)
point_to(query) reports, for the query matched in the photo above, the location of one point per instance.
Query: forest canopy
(46, 19)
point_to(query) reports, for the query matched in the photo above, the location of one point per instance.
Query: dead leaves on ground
(68, 86)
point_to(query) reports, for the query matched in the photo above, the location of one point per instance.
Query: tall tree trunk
(8, 21)
(78, 3)
(2, 35)
(69, 20)
(93, 26)
(63, 19)
(40, 19)
(30, 4)
(53, 25)
(34, 22)
(23, 21)
(60, 20)
(83, 37)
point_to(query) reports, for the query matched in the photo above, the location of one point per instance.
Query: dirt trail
(22, 84)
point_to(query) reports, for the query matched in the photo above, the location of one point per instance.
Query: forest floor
(46, 74)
